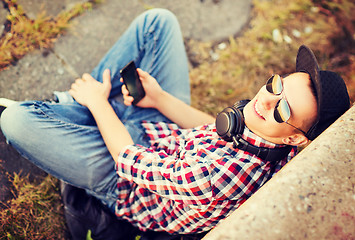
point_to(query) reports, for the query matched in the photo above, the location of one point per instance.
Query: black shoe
(84, 212)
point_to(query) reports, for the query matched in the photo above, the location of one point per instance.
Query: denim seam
(38, 108)
(149, 34)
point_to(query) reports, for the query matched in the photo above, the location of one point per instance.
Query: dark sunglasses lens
(274, 85)
(282, 111)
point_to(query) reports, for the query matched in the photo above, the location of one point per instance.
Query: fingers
(74, 87)
(86, 88)
(127, 99)
(106, 76)
(76, 83)
(71, 92)
(87, 77)
(80, 81)
(124, 90)
(141, 72)
(106, 80)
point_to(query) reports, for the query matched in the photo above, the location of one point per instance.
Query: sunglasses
(282, 112)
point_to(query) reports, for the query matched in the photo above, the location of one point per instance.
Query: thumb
(143, 76)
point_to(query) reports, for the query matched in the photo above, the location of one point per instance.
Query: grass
(242, 66)
(34, 213)
(249, 60)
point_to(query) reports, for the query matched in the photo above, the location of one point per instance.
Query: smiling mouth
(258, 112)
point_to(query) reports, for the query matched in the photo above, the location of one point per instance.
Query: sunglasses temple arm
(304, 133)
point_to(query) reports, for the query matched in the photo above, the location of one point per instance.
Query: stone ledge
(312, 197)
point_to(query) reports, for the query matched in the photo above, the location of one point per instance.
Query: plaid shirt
(189, 179)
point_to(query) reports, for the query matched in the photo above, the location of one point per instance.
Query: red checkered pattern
(189, 179)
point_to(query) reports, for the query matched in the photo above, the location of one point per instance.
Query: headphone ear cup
(225, 124)
(239, 126)
(230, 121)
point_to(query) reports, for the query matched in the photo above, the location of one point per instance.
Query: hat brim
(307, 62)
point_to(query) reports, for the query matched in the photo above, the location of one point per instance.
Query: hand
(87, 90)
(152, 91)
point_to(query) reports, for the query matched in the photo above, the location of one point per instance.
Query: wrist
(95, 103)
(160, 99)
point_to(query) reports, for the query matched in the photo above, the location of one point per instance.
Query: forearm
(181, 113)
(113, 132)
(93, 94)
(173, 108)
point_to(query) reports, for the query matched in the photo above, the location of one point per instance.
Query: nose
(270, 100)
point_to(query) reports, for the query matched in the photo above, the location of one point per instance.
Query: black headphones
(230, 126)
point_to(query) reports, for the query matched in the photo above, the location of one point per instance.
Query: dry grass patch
(35, 212)
(26, 34)
(269, 45)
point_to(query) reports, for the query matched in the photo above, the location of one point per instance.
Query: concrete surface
(40, 73)
(33, 8)
(93, 33)
(312, 197)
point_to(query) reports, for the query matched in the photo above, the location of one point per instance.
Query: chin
(249, 117)
(253, 121)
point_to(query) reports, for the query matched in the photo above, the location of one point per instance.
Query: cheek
(248, 113)
(267, 128)
(252, 117)
(252, 120)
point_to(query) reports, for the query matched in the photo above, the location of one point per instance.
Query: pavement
(41, 72)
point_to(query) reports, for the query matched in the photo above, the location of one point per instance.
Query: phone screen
(131, 79)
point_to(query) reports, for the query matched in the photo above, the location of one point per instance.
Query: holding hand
(87, 90)
(94, 95)
(152, 90)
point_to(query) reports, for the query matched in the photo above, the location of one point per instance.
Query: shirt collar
(257, 141)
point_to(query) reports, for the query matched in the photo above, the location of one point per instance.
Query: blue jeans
(63, 139)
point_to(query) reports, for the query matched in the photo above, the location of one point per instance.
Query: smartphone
(133, 84)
